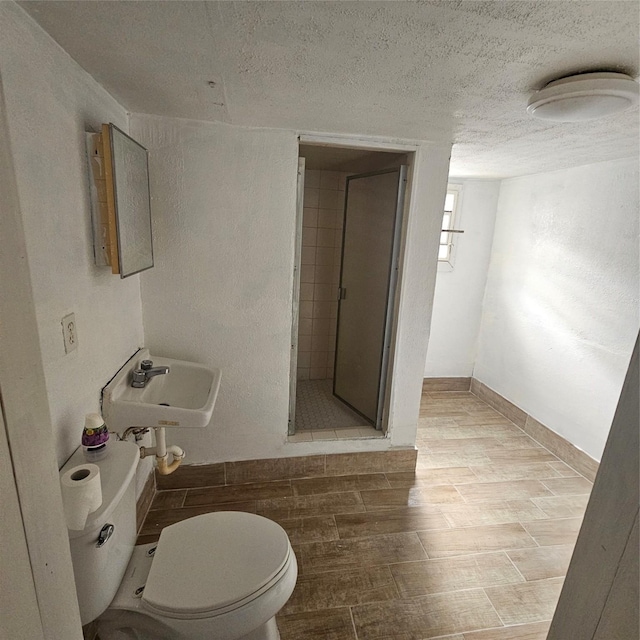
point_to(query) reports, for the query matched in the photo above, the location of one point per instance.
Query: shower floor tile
(317, 408)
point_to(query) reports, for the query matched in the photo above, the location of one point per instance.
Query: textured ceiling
(445, 70)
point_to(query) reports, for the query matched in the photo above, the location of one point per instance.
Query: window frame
(447, 264)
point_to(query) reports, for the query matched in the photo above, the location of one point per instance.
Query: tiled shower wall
(324, 196)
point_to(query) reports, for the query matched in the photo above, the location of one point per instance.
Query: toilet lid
(212, 561)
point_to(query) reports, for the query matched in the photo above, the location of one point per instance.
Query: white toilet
(219, 576)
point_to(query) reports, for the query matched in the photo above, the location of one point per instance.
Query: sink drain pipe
(162, 451)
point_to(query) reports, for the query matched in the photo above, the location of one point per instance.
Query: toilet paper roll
(81, 494)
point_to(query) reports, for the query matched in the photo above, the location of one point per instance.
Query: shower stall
(346, 279)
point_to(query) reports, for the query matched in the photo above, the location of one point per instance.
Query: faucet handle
(145, 365)
(138, 378)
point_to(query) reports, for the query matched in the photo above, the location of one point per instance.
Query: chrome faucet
(146, 371)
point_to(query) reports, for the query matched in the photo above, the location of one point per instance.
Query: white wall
(18, 597)
(50, 102)
(221, 290)
(37, 591)
(457, 304)
(561, 304)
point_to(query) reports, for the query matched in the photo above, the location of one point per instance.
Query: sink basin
(184, 397)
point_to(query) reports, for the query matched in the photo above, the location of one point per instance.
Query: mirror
(133, 208)
(119, 172)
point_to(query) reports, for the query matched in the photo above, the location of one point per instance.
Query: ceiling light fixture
(585, 96)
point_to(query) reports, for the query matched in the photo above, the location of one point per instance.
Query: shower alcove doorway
(350, 215)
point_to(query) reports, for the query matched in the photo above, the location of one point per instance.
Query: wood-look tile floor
(473, 546)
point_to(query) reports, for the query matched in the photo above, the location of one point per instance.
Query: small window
(448, 222)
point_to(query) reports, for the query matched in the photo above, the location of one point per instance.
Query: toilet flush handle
(105, 533)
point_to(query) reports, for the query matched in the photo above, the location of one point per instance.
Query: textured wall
(50, 103)
(37, 595)
(457, 304)
(221, 291)
(561, 304)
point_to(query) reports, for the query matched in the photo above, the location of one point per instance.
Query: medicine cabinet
(120, 201)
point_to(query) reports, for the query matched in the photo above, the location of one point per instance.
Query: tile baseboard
(499, 403)
(567, 452)
(145, 499)
(189, 476)
(559, 446)
(446, 384)
(267, 470)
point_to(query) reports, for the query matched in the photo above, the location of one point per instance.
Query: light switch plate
(69, 333)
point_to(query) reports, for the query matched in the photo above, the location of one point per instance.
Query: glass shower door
(370, 250)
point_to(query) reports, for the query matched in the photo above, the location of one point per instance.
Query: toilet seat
(214, 563)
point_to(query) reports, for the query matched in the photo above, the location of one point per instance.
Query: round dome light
(585, 96)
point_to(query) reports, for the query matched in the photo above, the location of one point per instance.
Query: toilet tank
(98, 570)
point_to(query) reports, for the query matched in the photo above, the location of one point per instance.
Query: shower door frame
(295, 304)
(368, 144)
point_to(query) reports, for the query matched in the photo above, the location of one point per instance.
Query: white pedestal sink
(184, 397)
